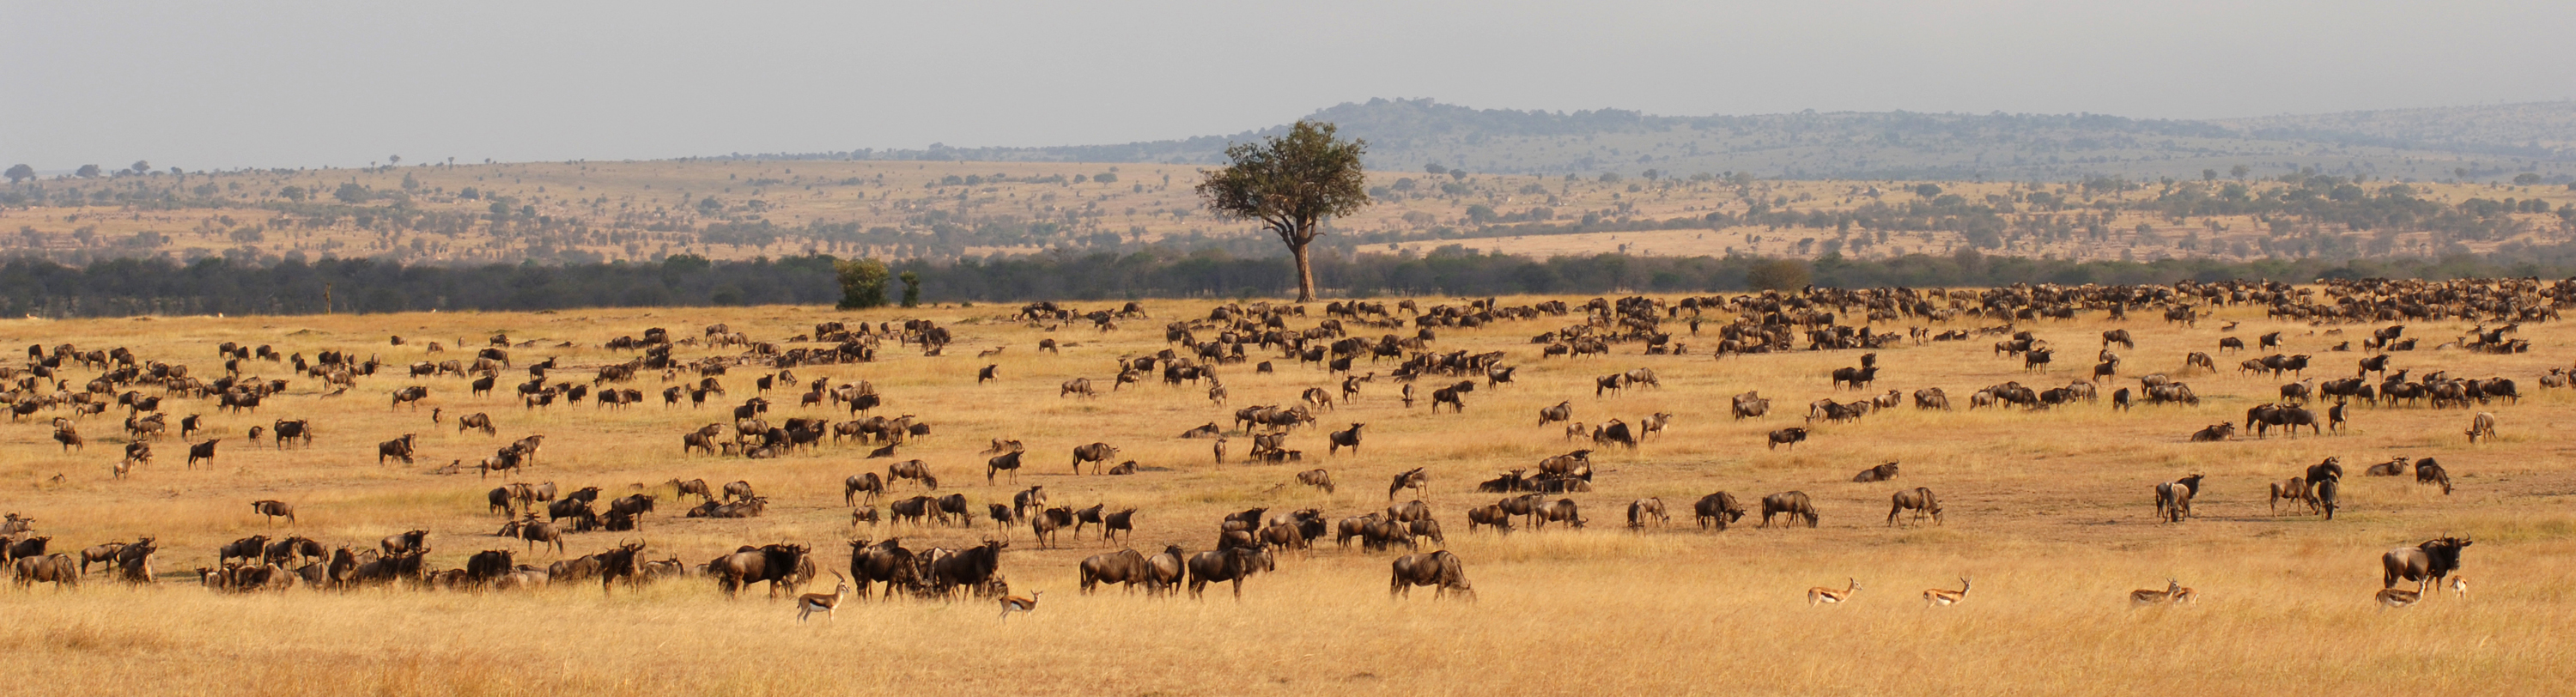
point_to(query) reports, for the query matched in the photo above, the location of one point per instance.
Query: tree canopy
(1290, 184)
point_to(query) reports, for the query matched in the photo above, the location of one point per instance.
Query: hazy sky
(218, 85)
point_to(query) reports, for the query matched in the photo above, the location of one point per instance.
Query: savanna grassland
(2049, 512)
(590, 211)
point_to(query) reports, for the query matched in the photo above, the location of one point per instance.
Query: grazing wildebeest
(1931, 398)
(1489, 515)
(863, 482)
(2118, 336)
(1440, 570)
(1790, 436)
(1640, 510)
(1231, 565)
(1792, 503)
(953, 507)
(1097, 454)
(1319, 479)
(917, 509)
(1919, 500)
(536, 531)
(1750, 404)
(2295, 490)
(272, 509)
(693, 486)
(1880, 473)
(1563, 411)
(2482, 425)
(2424, 563)
(475, 421)
(2429, 472)
(1080, 386)
(1719, 509)
(911, 469)
(2173, 499)
(2327, 497)
(1414, 479)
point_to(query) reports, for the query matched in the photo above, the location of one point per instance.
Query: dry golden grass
(2049, 512)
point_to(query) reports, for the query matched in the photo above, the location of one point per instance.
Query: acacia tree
(1290, 184)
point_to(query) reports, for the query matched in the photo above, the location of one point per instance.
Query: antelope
(827, 602)
(2173, 592)
(1015, 603)
(2460, 587)
(1821, 595)
(1944, 598)
(2396, 597)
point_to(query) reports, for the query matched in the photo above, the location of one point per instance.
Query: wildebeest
(248, 549)
(1640, 510)
(272, 509)
(1414, 479)
(2295, 490)
(1562, 510)
(2429, 472)
(535, 531)
(56, 569)
(1792, 503)
(1232, 565)
(1880, 473)
(867, 482)
(777, 564)
(399, 448)
(1046, 522)
(1750, 404)
(1719, 509)
(1563, 411)
(2482, 425)
(1080, 386)
(1790, 436)
(1441, 570)
(2173, 499)
(203, 452)
(1345, 439)
(1123, 566)
(2424, 563)
(409, 541)
(1919, 500)
(1319, 479)
(1096, 453)
(911, 469)
(475, 421)
(2214, 433)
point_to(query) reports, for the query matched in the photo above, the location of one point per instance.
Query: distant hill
(2484, 143)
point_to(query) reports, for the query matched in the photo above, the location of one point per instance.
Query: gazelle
(1015, 603)
(1821, 595)
(2173, 592)
(808, 603)
(2393, 597)
(2460, 587)
(1945, 598)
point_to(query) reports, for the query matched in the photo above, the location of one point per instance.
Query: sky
(270, 84)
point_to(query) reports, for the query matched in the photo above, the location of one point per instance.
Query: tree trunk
(1305, 274)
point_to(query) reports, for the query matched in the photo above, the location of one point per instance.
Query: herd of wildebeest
(74, 387)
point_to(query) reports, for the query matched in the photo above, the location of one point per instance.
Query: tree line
(125, 287)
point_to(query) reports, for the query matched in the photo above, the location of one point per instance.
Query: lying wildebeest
(1919, 500)
(1791, 503)
(1719, 509)
(2214, 433)
(2424, 563)
(1880, 473)
(1790, 436)
(1440, 570)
